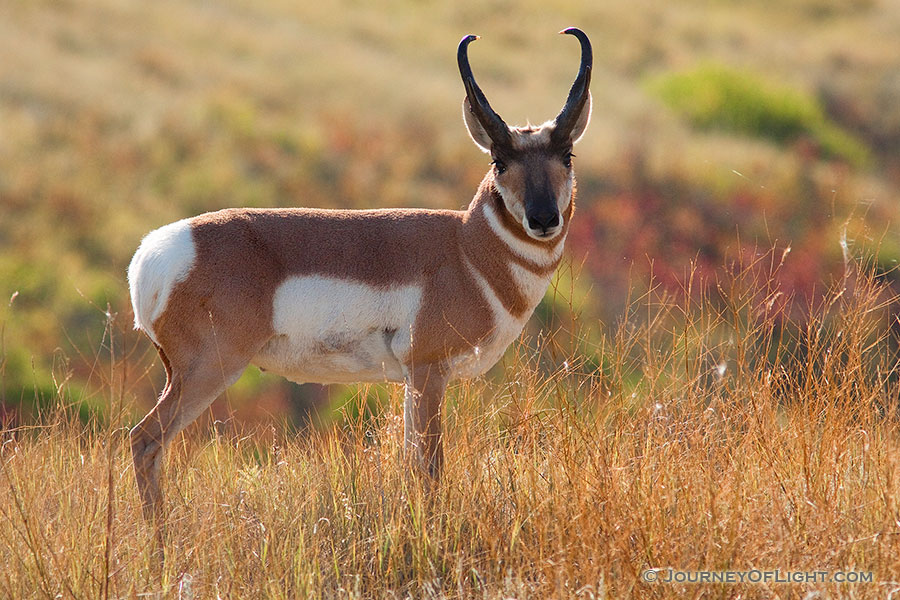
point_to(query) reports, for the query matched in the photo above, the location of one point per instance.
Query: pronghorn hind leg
(189, 391)
(424, 395)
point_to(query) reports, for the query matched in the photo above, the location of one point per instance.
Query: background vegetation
(719, 129)
(746, 142)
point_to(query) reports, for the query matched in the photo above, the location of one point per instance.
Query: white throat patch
(537, 255)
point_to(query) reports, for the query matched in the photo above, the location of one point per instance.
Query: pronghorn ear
(476, 131)
(582, 122)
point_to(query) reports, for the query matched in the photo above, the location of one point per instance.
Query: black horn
(489, 120)
(579, 93)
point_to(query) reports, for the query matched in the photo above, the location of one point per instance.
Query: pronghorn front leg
(425, 385)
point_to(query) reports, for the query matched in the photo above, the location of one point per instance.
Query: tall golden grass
(731, 430)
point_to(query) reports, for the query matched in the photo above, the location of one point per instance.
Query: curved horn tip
(574, 31)
(587, 51)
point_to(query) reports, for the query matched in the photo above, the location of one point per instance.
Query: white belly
(364, 358)
(331, 330)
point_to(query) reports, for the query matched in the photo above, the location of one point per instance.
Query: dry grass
(700, 433)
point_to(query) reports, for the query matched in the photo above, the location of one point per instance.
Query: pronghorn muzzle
(542, 218)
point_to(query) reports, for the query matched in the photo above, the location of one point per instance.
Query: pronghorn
(345, 296)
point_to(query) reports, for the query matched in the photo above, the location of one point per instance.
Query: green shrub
(719, 97)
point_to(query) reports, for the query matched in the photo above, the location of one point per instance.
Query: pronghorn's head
(532, 166)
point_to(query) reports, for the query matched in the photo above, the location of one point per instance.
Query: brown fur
(230, 294)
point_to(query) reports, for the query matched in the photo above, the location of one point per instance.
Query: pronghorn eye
(567, 160)
(499, 165)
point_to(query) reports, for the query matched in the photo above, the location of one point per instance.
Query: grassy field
(711, 384)
(718, 436)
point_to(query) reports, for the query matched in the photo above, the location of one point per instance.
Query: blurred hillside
(117, 117)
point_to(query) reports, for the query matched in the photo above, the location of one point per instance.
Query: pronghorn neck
(516, 268)
(488, 227)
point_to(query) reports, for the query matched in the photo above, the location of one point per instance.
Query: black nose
(543, 220)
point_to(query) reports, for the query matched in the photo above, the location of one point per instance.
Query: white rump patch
(164, 258)
(330, 330)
